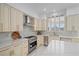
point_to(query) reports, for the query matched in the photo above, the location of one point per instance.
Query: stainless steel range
(32, 43)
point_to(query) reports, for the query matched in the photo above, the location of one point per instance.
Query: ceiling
(39, 9)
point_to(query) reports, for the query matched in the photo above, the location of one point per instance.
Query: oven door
(32, 46)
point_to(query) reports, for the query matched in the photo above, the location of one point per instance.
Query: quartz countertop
(8, 43)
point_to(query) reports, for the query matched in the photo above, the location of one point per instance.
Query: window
(56, 23)
(61, 23)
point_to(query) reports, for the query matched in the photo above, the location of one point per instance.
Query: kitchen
(51, 30)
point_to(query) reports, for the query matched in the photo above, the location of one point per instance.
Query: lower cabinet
(17, 51)
(75, 40)
(40, 40)
(20, 50)
(24, 50)
(5, 52)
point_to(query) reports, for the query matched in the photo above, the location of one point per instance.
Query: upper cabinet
(16, 20)
(40, 25)
(72, 23)
(11, 19)
(4, 18)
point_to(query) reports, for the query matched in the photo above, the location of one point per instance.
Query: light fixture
(44, 14)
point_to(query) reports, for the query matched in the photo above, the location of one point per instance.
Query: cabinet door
(40, 41)
(40, 25)
(76, 23)
(75, 40)
(69, 23)
(35, 24)
(19, 20)
(16, 20)
(43, 25)
(1, 18)
(1, 25)
(24, 48)
(13, 19)
(6, 18)
(17, 51)
(5, 52)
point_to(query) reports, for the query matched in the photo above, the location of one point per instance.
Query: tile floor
(57, 48)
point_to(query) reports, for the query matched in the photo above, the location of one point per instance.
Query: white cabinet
(4, 18)
(16, 51)
(11, 19)
(72, 23)
(75, 40)
(24, 48)
(69, 24)
(44, 25)
(19, 21)
(76, 23)
(20, 50)
(40, 40)
(1, 18)
(16, 20)
(5, 52)
(40, 25)
(11, 51)
(37, 24)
